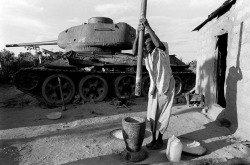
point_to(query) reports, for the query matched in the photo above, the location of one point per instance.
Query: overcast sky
(42, 20)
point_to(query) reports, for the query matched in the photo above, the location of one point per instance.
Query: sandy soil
(83, 134)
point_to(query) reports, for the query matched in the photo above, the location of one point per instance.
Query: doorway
(221, 68)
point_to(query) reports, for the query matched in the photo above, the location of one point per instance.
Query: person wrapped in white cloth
(162, 84)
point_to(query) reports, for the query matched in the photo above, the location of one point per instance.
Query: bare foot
(157, 145)
(151, 144)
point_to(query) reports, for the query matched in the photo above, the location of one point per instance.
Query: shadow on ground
(152, 157)
(20, 110)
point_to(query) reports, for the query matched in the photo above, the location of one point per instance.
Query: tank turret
(100, 34)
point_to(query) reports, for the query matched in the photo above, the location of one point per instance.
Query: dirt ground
(83, 134)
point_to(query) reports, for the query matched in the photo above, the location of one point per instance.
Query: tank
(93, 66)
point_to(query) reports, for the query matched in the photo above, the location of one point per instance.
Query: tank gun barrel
(53, 42)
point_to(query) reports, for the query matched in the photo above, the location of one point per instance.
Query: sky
(24, 21)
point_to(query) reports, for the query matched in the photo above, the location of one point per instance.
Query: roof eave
(217, 13)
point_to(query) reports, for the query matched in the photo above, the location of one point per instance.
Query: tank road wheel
(125, 86)
(93, 87)
(178, 85)
(51, 89)
(145, 85)
(26, 80)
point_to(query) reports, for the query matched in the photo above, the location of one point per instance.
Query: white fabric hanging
(161, 91)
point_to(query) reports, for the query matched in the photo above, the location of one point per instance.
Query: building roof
(217, 13)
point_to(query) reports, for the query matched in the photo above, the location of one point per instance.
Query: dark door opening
(221, 68)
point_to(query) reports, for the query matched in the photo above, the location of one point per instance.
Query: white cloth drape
(161, 90)
(160, 73)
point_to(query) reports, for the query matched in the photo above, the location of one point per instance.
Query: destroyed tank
(94, 66)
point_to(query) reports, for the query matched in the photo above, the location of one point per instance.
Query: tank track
(96, 81)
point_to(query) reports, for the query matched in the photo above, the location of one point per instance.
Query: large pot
(133, 131)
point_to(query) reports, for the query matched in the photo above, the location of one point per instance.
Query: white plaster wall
(238, 105)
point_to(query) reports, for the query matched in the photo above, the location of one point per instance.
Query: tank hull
(110, 76)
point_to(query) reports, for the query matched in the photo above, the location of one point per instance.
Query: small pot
(123, 100)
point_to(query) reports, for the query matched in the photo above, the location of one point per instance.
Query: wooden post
(140, 52)
(61, 92)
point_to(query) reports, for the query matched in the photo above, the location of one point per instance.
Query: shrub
(9, 64)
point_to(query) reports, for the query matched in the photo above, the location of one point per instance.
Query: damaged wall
(235, 22)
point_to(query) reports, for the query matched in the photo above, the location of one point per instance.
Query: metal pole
(140, 52)
(60, 85)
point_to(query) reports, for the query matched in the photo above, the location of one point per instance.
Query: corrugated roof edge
(217, 13)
